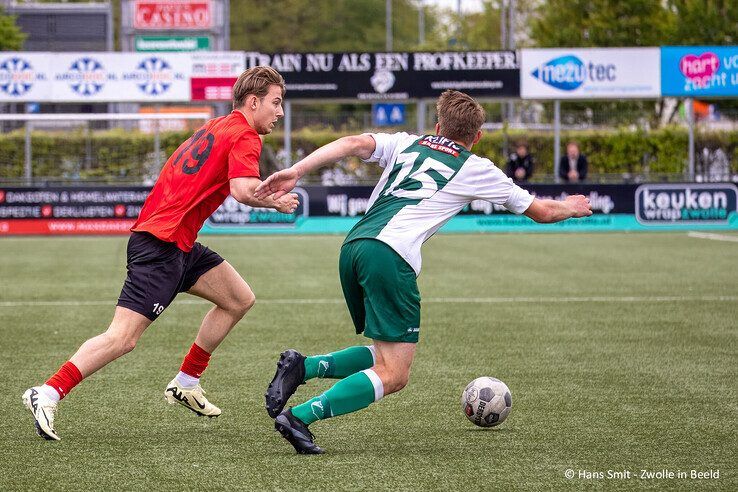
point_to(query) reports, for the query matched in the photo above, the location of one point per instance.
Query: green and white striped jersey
(426, 181)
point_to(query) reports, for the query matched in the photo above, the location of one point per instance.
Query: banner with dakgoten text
(334, 209)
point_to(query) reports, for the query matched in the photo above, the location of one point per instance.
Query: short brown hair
(459, 116)
(256, 81)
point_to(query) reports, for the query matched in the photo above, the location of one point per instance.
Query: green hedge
(115, 154)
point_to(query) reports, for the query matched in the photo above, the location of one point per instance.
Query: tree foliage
(326, 25)
(602, 23)
(475, 31)
(704, 22)
(11, 37)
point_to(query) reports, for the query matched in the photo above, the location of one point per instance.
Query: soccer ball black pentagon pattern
(486, 401)
(486, 394)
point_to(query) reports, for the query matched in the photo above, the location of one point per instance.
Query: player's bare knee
(248, 301)
(239, 304)
(119, 342)
(243, 303)
(401, 380)
(128, 345)
(393, 379)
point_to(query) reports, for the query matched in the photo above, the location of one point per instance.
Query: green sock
(338, 365)
(348, 395)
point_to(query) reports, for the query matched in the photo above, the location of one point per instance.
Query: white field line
(713, 236)
(430, 300)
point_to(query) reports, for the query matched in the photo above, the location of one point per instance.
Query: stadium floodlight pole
(511, 46)
(287, 134)
(503, 44)
(420, 110)
(458, 26)
(503, 25)
(689, 106)
(557, 139)
(157, 139)
(27, 167)
(157, 142)
(227, 25)
(388, 25)
(421, 116)
(421, 22)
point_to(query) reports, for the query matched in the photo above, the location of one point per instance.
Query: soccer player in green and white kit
(426, 181)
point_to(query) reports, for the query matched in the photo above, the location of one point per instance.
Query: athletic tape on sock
(376, 382)
(374, 353)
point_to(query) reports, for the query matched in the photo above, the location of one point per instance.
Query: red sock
(195, 362)
(66, 378)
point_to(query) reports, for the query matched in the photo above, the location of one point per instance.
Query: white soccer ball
(486, 401)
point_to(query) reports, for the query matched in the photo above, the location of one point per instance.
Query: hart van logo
(569, 72)
(685, 203)
(699, 69)
(86, 76)
(154, 76)
(17, 76)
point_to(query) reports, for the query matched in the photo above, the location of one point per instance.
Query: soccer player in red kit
(164, 259)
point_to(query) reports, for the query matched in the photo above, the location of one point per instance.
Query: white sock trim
(374, 353)
(50, 392)
(376, 382)
(187, 381)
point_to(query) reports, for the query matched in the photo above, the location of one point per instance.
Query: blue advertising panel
(388, 114)
(699, 71)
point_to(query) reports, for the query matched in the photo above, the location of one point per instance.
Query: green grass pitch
(621, 352)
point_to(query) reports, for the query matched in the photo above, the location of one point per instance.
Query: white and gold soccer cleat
(43, 410)
(192, 398)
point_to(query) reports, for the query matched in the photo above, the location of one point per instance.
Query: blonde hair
(256, 81)
(460, 117)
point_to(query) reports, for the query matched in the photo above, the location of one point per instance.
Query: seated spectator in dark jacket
(573, 166)
(520, 165)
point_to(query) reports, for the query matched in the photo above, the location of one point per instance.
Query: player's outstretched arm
(549, 211)
(242, 189)
(284, 181)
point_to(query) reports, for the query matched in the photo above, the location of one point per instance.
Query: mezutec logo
(685, 203)
(17, 76)
(568, 72)
(86, 76)
(153, 76)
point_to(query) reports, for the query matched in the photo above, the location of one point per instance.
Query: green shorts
(381, 291)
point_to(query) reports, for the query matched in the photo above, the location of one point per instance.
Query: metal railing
(152, 123)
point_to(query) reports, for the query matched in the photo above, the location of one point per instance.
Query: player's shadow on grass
(490, 429)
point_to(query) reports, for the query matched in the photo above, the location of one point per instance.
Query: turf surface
(621, 352)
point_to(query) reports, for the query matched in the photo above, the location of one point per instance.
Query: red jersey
(195, 180)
